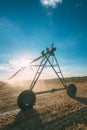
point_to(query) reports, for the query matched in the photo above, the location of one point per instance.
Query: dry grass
(53, 111)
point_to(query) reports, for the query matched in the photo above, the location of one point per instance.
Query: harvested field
(52, 111)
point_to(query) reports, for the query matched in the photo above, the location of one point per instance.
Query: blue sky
(29, 26)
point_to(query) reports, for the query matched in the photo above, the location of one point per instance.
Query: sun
(22, 62)
(21, 68)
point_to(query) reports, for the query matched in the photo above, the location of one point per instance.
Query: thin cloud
(14, 65)
(19, 63)
(50, 3)
(5, 68)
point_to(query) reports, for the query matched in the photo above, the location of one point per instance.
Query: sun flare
(22, 69)
(20, 62)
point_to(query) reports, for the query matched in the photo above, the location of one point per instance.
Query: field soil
(52, 111)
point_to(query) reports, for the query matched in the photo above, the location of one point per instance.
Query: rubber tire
(71, 90)
(26, 100)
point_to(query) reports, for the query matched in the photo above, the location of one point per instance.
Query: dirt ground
(52, 111)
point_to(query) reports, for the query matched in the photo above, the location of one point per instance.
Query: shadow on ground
(82, 100)
(26, 120)
(76, 120)
(32, 120)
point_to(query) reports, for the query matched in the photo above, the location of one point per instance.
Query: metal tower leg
(59, 71)
(39, 70)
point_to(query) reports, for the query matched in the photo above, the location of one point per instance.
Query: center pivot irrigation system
(27, 98)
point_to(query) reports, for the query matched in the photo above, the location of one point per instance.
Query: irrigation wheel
(26, 100)
(71, 90)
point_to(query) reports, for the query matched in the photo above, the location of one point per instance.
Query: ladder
(46, 58)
